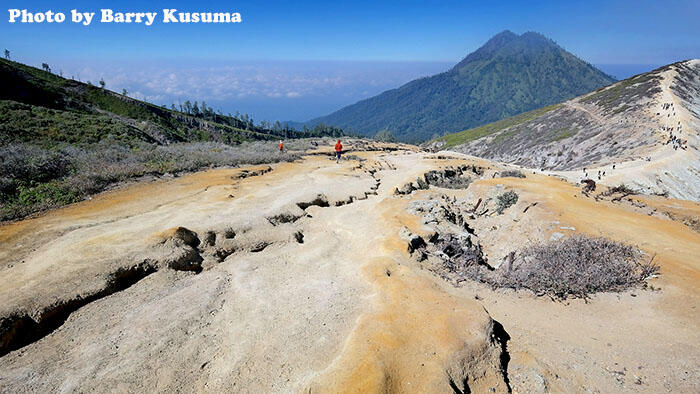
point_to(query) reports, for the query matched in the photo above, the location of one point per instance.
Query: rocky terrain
(642, 132)
(319, 276)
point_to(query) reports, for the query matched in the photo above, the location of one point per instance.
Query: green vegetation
(562, 134)
(29, 123)
(56, 108)
(509, 75)
(385, 136)
(466, 136)
(62, 140)
(33, 178)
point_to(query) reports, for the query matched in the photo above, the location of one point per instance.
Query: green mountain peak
(508, 75)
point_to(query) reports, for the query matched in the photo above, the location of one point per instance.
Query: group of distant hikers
(338, 149)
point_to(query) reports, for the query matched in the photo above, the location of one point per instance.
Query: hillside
(509, 75)
(41, 107)
(62, 141)
(647, 126)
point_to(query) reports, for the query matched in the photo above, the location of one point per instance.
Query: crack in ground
(456, 389)
(500, 337)
(20, 329)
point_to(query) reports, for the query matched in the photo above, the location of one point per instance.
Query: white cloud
(277, 82)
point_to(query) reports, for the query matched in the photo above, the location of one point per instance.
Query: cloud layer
(276, 90)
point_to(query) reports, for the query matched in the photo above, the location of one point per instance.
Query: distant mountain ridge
(508, 75)
(643, 131)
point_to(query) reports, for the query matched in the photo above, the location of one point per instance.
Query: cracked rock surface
(308, 280)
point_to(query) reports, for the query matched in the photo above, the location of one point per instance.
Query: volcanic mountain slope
(508, 75)
(38, 106)
(643, 131)
(309, 276)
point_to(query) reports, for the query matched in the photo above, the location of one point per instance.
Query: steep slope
(646, 125)
(40, 107)
(510, 74)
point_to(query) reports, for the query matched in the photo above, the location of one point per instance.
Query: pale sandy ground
(347, 310)
(635, 341)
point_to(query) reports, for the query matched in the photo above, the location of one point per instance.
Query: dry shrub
(622, 190)
(452, 178)
(512, 174)
(460, 255)
(506, 200)
(576, 266)
(33, 178)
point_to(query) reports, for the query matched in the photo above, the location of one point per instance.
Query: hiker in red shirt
(338, 150)
(281, 147)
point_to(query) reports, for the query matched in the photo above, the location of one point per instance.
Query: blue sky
(296, 60)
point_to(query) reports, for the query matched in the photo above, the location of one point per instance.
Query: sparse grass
(465, 136)
(28, 123)
(576, 267)
(622, 108)
(504, 135)
(34, 178)
(562, 134)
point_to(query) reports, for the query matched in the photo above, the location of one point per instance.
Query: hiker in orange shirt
(338, 150)
(281, 146)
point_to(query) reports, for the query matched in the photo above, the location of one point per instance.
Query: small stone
(556, 236)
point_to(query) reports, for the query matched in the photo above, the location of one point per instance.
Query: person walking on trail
(338, 150)
(281, 146)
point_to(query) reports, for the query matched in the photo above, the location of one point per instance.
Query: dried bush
(33, 178)
(588, 186)
(621, 188)
(450, 178)
(512, 174)
(461, 255)
(576, 266)
(573, 267)
(30, 163)
(506, 200)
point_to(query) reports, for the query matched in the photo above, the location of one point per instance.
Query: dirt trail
(659, 168)
(298, 279)
(576, 105)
